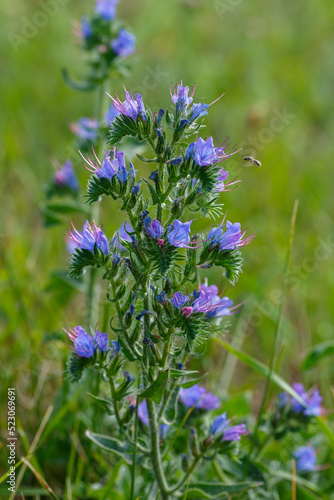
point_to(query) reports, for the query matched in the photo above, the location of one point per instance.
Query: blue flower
(86, 129)
(179, 235)
(83, 342)
(86, 29)
(115, 349)
(89, 237)
(159, 116)
(179, 300)
(198, 110)
(135, 189)
(210, 303)
(142, 413)
(101, 340)
(153, 228)
(306, 458)
(221, 425)
(198, 395)
(110, 115)
(106, 9)
(123, 233)
(132, 107)
(65, 176)
(161, 297)
(204, 153)
(230, 239)
(181, 98)
(124, 44)
(312, 401)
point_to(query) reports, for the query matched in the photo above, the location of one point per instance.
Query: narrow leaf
(155, 390)
(317, 353)
(192, 382)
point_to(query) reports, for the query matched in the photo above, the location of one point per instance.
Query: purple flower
(198, 110)
(86, 129)
(89, 237)
(153, 228)
(161, 297)
(220, 186)
(205, 154)
(131, 107)
(124, 44)
(142, 413)
(106, 9)
(283, 400)
(198, 395)
(136, 188)
(101, 340)
(179, 235)
(65, 176)
(110, 114)
(306, 458)
(86, 29)
(115, 349)
(221, 425)
(181, 98)
(230, 239)
(83, 342)
(211, 304)
(312, 401)
(123, 233)
(179, 300)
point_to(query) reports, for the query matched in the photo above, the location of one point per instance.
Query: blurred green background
(274, 61)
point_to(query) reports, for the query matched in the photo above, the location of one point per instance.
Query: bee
(253, 161)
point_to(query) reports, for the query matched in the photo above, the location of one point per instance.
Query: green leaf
(112, 445)
(192, 382)
(317, 353)
(65, 208)
(155, 197)
(125, 349)
(146, 160)
(277, 474)
(83, 86)
(174, 373)
(156, 390)
(107, 405)
(218, 490)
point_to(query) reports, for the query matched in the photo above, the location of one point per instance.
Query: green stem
(155, 450)
(276, 334)
(115, 403)
(131, 346)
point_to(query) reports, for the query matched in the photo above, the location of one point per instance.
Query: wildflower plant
(176, 436)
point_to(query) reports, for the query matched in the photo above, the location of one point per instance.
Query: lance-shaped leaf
(317, 353)
(191, 383)
(174, 373)
(112, 445)
(155, 391)
(155, 197)
(104, 403)
(218, 490)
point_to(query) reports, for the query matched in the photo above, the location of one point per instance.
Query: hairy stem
(155, 450)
